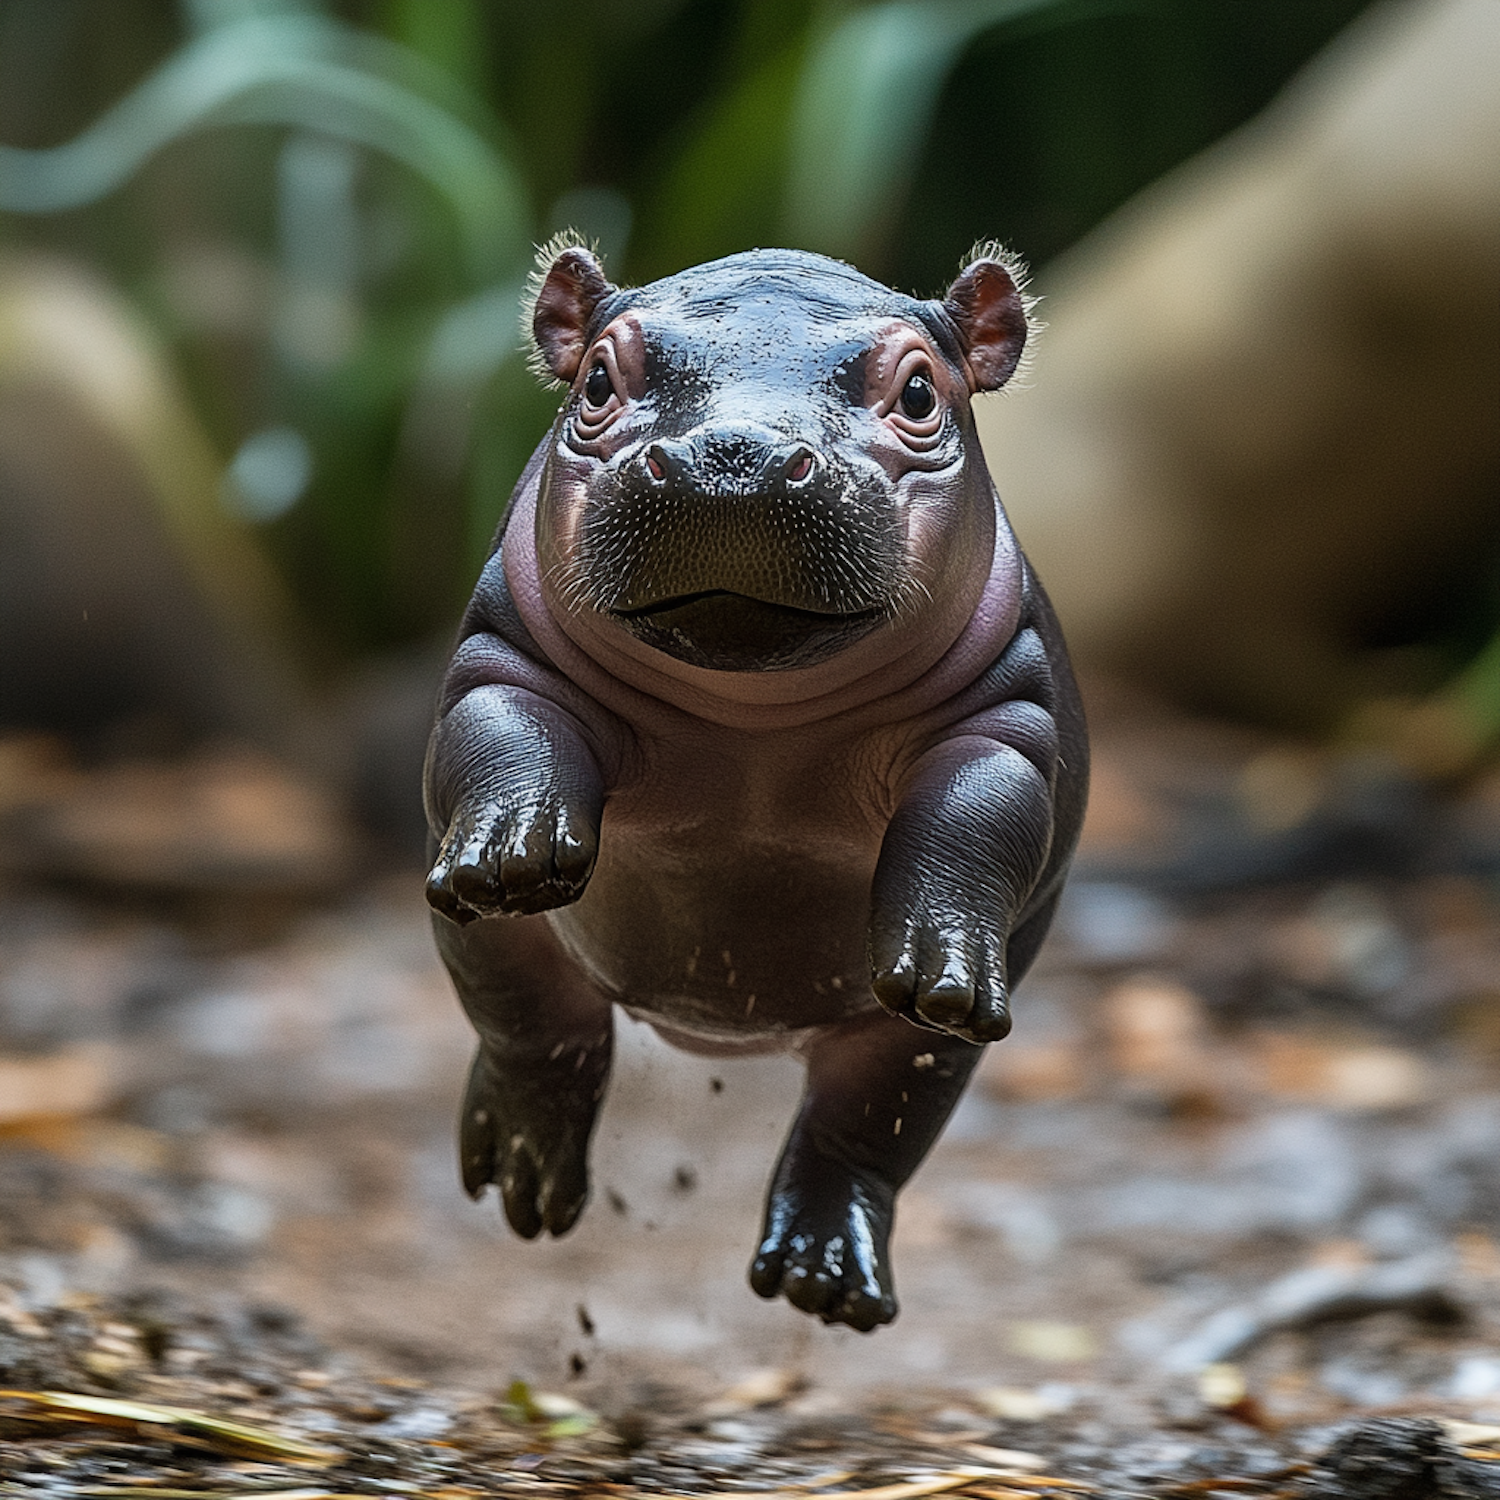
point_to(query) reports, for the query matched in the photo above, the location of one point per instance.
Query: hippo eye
(597, 387)
(918, 397)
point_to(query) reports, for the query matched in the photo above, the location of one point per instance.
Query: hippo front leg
(878, 1094)
(515, 796)
(958, 873)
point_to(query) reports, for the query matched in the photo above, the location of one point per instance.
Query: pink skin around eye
(615, 353)
(900, 355)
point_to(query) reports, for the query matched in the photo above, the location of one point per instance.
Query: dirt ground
(1220, 1217)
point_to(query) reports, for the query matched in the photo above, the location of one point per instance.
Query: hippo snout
(741, 549)
(729, 460)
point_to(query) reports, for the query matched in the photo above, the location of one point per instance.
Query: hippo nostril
(799, 465)
(725, 460)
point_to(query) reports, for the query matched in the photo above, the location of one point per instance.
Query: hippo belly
(760, 941)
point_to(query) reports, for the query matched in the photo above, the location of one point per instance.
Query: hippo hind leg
(878, 1092)
(546, 1040)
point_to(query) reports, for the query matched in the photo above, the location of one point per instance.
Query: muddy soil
(1220, 1217)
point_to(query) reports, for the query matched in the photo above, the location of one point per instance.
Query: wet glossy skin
(750, 494)
(758, 726)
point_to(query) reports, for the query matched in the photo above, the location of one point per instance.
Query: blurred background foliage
(326, 211)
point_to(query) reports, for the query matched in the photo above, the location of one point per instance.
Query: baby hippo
(760, 727)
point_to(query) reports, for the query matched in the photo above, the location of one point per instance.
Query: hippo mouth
(730, 632)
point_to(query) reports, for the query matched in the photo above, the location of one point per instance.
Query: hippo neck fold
(916, 662)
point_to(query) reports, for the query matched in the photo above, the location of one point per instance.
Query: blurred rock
(1394, 1231)
(139, 616)
(1476, 1377)
(1421, 1286)
(197, 1220)
(1397, 1458)
(1292, 1173)
(1110, 923)
(225, 819)
(1262, 439)
(66, 979)
(1284, 815)
(129, 598)
(1346, 941)
(1020, 1215)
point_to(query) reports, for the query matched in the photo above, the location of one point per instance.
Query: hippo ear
(571, 286)
(988, 308)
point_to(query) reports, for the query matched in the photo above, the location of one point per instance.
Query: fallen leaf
(1005, 1458)
(1017, 1404)
(191, 1428)
(1160, 1047)
(1156, 1029)
(1055, 1342)
(762, 1388)
(151, 1492)
(60, 1084)
(1471, 1434)
(1353, 1076)
(1222, 1385)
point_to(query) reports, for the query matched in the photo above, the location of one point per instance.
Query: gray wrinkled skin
(758, 726)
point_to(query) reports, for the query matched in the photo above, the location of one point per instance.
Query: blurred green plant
(254, 64)
(864, 106)
(327, 208)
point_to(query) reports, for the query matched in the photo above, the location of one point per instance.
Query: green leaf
(574, 1425)
(864, 106)
(722, 191)
(292, 70)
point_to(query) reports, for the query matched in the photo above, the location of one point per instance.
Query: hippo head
(762, 460)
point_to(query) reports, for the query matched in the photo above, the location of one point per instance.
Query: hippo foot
(532, 1146)
(826, 1252)
(513, 861)
(943, 977)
